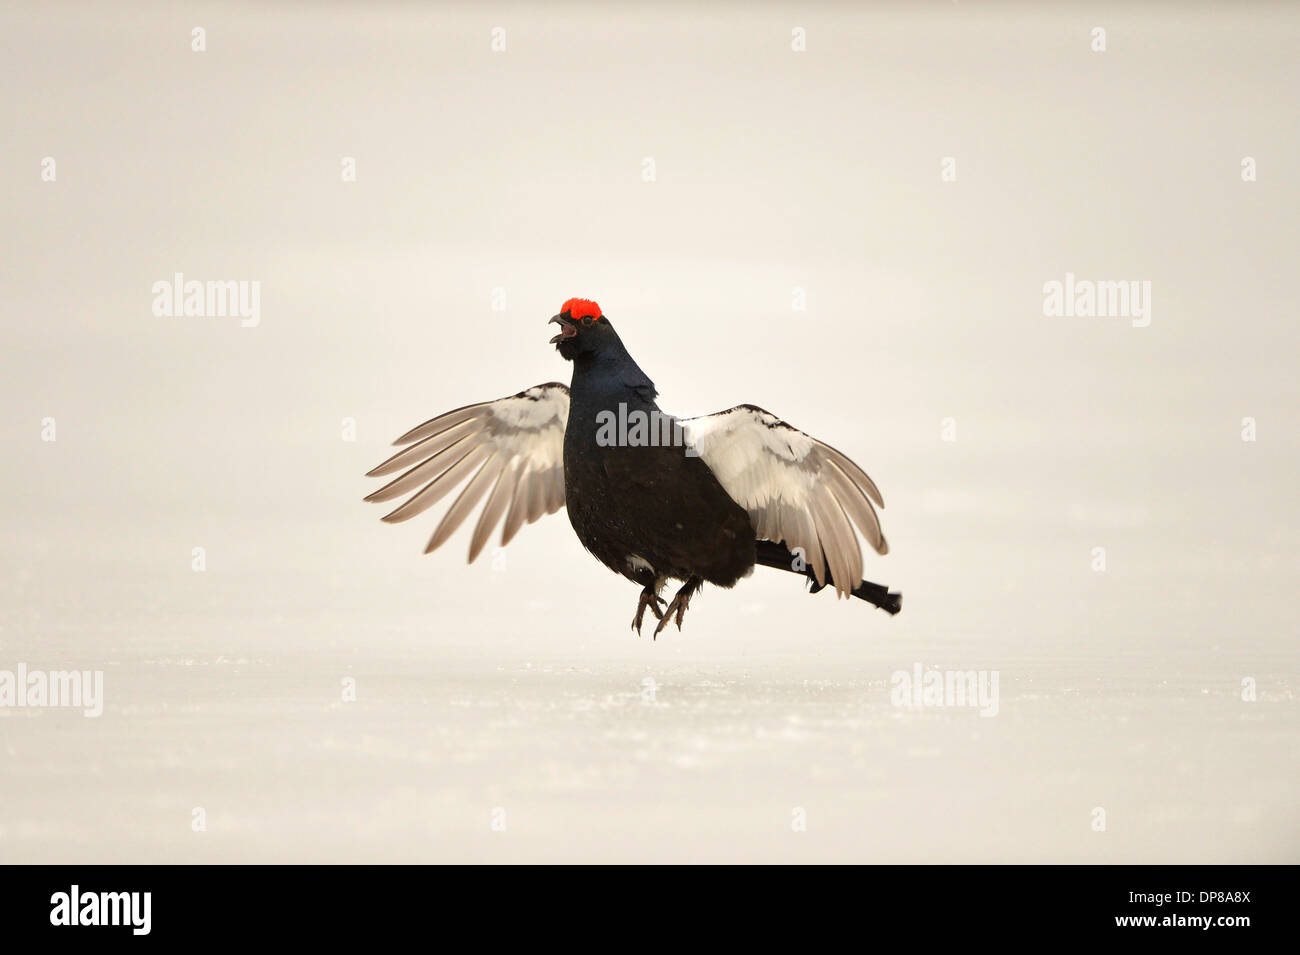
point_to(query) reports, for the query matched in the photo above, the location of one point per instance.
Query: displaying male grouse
(652, 497)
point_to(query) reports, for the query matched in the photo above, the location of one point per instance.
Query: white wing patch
(511, 449)
(798, 491)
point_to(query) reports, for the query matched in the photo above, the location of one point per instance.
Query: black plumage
(701, 500)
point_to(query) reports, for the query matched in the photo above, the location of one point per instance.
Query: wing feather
(466, 501)
(424, 449)
(439, 487)
(536, 499)
(555, 500)
(511, 450)
(496, 505)
(798, 491)
(515, 517)
(857, 505)
(426, 471)
(442, 422)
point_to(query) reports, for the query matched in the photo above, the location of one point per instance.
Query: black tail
(776, 555)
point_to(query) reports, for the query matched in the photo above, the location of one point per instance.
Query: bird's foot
(680, 602)
(648, 599)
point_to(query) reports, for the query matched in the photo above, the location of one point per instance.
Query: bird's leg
(649, 598)
(679, 604)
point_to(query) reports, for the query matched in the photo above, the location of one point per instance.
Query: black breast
(652, 506)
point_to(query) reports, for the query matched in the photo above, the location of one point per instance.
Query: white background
(521, 687)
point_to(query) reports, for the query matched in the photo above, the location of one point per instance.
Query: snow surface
(225, 692)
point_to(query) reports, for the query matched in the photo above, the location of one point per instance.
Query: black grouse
(654, 498)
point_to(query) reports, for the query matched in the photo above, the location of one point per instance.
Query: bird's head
(583, 329)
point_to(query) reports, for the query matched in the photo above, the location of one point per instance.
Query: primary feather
(512, 447)
(797, 490)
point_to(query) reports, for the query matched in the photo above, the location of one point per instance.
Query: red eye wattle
(581, 308)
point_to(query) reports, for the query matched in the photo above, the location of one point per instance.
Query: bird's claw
(648, 599)
(677, 609)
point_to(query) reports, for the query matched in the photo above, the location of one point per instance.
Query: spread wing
(798, 491)
(511, 449)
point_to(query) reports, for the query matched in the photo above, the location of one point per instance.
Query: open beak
(568, 328)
